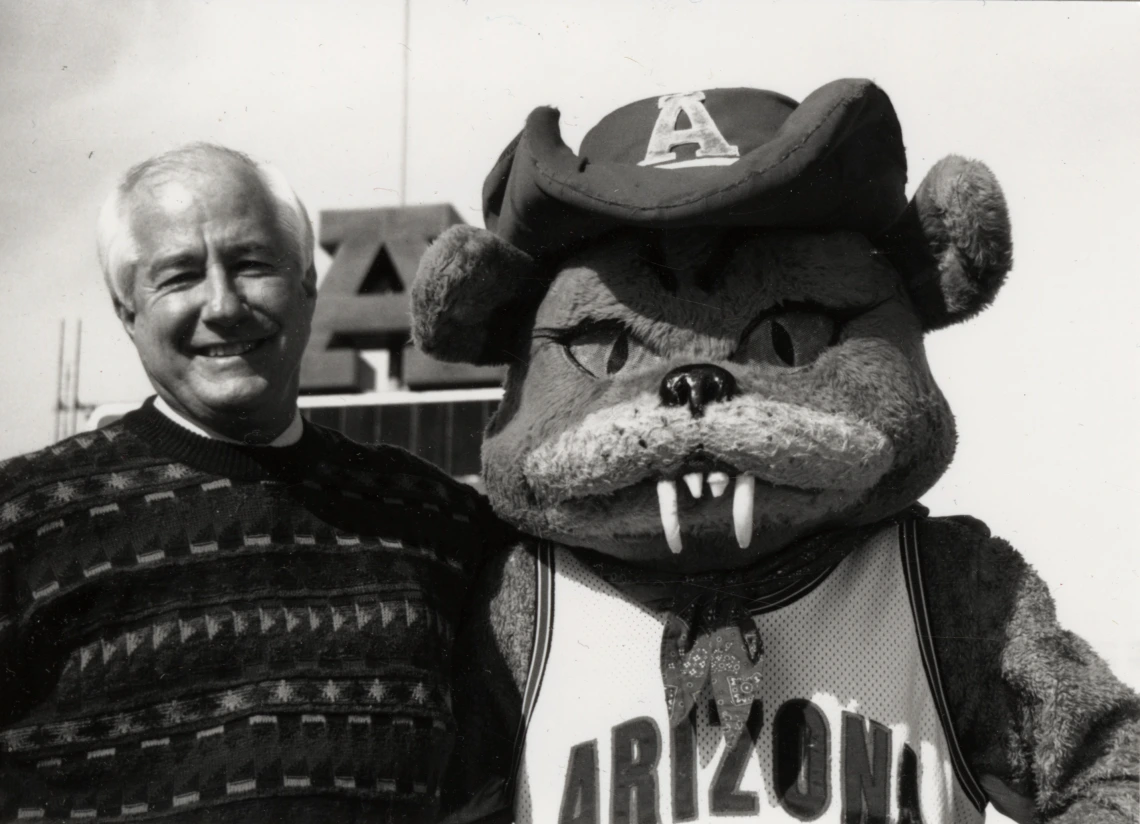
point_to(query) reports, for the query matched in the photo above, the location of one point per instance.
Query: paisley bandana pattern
(710, 639)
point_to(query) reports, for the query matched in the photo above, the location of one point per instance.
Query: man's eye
(603, 350)
(178, 277)
(253, 267)
(787, 339)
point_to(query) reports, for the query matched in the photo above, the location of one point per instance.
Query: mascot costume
(718, 417)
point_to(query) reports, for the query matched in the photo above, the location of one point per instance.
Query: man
(212, 610)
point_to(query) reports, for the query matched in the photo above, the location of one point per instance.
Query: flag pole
(404, 107)
(75, 388)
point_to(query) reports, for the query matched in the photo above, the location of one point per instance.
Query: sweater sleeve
(492, 658)
(1047, 729)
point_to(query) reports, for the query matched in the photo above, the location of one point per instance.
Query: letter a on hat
(712, 148)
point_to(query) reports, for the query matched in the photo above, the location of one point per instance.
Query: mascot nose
(698, 386)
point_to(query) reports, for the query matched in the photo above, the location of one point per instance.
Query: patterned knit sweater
(195, 631)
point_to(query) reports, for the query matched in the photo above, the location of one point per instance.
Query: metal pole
(59, 379)
(75, 377)
(404, 106)
(64, 417)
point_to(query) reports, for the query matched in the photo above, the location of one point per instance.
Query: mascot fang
(718, 418)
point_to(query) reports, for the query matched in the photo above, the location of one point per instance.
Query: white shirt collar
(290, 436)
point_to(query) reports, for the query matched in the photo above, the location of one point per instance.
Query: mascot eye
(787, 339)
(604, 349)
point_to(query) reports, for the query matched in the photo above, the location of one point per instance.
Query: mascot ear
(471, 297)
(953, 243)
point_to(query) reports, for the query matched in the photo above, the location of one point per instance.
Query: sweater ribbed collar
(218, 457)
(290, 435)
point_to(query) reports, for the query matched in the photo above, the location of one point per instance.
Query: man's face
(219, 308)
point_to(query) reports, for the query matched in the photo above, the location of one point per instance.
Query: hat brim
(837, 162)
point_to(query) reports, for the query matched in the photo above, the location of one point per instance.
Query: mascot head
(713, 319)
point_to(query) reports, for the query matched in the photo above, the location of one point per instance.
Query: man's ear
(309, 280)
(126, 317)
(952, 244)
(471, 296)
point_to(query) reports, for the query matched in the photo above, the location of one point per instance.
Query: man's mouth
(743, 500)
(229, 349)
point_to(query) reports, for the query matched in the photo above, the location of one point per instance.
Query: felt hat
(732, 157)
(721, 157)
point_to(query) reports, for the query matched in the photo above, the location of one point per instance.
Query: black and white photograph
(629, 412)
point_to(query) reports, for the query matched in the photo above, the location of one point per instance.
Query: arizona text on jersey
(827, 738)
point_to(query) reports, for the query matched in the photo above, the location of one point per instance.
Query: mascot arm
(492, 659)
(1047, 729)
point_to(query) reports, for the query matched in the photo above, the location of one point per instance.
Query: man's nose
(224, 303)
(697, 386)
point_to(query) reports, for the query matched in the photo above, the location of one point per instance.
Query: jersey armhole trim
(908, 542)
(543, 631)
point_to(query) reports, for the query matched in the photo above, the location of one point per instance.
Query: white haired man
(212, 610)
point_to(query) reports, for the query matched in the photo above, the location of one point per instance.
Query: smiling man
(210, 265)
(211, 610)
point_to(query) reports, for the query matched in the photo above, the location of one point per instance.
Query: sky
(1044, 383)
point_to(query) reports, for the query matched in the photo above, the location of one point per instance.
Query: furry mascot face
(688, 389)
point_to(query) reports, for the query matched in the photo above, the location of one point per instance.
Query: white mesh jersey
(848, 725)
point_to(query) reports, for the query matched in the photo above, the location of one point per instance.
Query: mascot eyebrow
(601, 301)
(564, 334)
